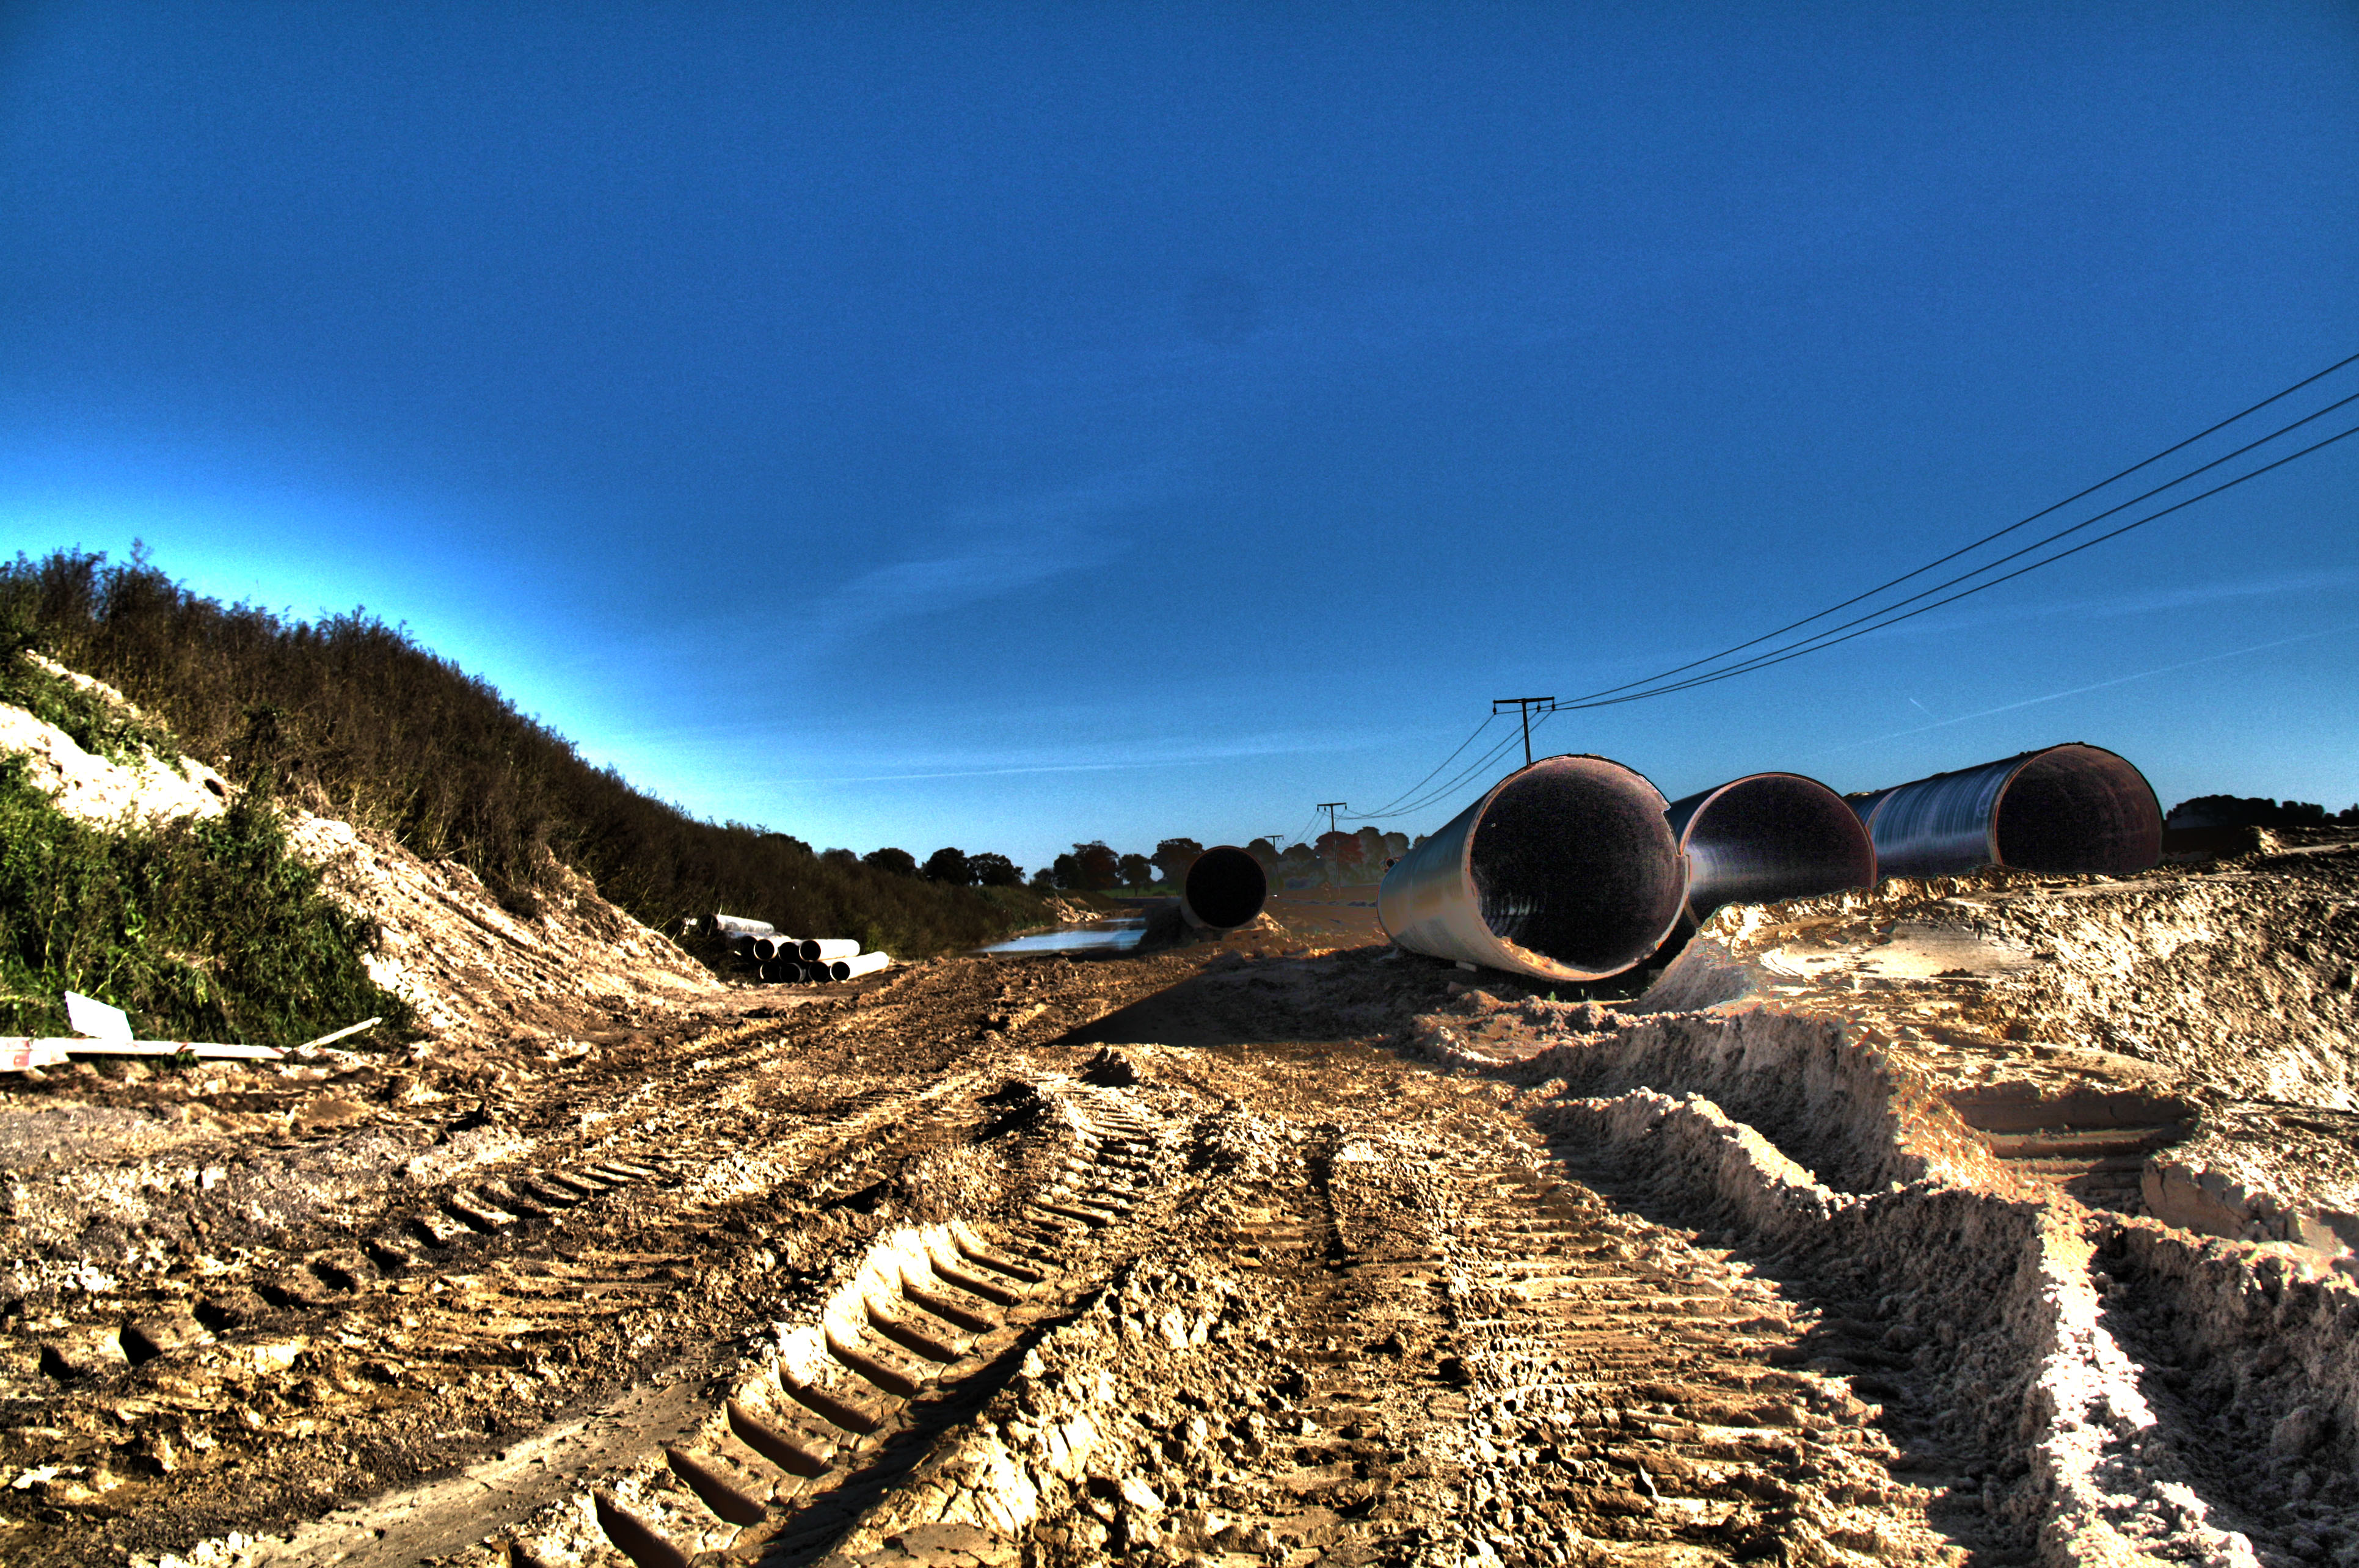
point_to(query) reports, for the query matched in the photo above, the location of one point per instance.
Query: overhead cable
(1990, 537)
(1765, 661)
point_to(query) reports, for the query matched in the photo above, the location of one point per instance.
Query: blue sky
(1002, 425)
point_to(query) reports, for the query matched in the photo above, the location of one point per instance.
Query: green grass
(97, 725)
(200, 931)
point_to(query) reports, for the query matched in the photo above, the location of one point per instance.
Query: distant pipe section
(1224, 889)
(852, 968)
(1769, 836)
(2060, 808)
(825, 949)
(1566, 869)
(738, 925)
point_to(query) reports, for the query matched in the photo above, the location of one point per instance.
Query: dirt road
(1207, 1256)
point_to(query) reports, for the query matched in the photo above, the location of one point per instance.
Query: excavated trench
(1994, 1220)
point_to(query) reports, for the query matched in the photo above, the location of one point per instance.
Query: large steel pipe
(2060, 808)
(1564, 870)
(1224, 889)
(1769, 836)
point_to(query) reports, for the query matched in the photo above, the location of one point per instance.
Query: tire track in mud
(1625, 1387)
(1491, 1363)
(1415, 1347)
(775, 1463)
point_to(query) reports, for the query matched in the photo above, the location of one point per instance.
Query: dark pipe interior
(1225, 888)
(2076, 808)
(1577, 865)
(1771, 837)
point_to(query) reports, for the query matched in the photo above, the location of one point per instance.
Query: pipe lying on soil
(2070, 808)
(1769, 836)
(1223, 889)
(817, 950)
(1566, 869)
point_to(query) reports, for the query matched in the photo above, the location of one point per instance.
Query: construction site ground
(2003, 1220)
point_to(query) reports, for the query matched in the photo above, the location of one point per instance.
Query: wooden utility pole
(1525, 705)
(1331, 807)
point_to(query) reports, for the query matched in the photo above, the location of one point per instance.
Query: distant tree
(1340, 848)
(1301, 856)
(1098, 866)
(2348, 814)
(1395, 845)
(1045, 879)
(1137, 870)
(1066, 872)
(2239, 811)
(892, 862)
(1265, 854)
(1174, 856)
(995, 870)
(838, 857)
(787, 840)
(950, 865)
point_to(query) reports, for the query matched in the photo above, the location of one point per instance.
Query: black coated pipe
(1224, 889)
(2061, 808)
(1769, 836)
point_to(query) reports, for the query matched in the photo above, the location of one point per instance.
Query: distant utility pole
(1525, 705)
(1331, 807)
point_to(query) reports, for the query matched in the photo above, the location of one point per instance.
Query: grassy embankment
(350, 718)
(202, 931)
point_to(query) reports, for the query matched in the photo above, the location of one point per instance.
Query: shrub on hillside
(351, 718)
(201, 930)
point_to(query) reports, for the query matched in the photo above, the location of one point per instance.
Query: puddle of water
(1099, 936)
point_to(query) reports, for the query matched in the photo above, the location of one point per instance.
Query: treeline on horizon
(1096, 867)
(351, 718)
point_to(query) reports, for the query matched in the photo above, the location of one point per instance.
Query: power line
(1451, 784)
(1827, 638)
(1765, 661)
(1387, 809)
(2002, 533)
(1524, 706)
(1883, 617)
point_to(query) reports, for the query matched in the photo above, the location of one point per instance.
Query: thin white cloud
(2094, 686)
(1001, 549)
(2138, 603)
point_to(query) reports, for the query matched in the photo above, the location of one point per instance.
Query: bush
(950, 865)
(202, 931)
(351, 718)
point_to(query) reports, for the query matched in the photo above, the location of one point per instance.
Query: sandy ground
(1999, 1220)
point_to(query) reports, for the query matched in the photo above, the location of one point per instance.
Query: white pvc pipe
(860, 963)
(826, 949)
